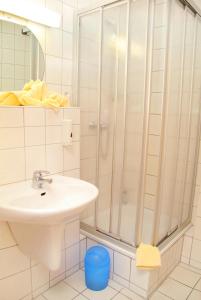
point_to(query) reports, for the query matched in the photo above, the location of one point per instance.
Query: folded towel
(148, 257)
(9, 99)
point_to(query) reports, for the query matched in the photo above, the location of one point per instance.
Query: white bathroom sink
(65, 198)
(38, 217)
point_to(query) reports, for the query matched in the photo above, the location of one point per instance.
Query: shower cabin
(138, 86)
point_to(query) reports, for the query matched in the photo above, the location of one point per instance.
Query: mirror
(22, 57)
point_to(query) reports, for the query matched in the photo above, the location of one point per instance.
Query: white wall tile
(197, 234)
(72, 173)
(11, 117)
(72, 233)
(71, 156)
(11, 137)
(54, 117)
(122, 265)
(196, 253)
(34, 116)
(72, 256)
(54, 42)
(12, 165)
(54, 156)
(139, 277)
(17, 286)
(53, 134)
(53, 69)
(35, 159)
(12, 261)
(67, 72)
(34, 136)
(68, 18)
(187, 246)
(72, 114)
(67, 45)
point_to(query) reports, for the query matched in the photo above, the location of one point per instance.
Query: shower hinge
(168, 235)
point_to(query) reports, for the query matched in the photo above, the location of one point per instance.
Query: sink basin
(37, 217)
(63, 199)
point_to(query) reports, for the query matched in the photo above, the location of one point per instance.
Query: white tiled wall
(30, 139)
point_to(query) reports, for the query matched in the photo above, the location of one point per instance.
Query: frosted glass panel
(88, 97)
(135, 106)
(111, 139)
(173, 108)
(194, 129)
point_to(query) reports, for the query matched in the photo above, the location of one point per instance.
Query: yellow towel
(55, 101)
(35, 89)
(9, 99)
(34, 93)
(148, 257)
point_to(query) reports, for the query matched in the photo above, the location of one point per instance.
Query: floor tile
(130, 294)
(77, 281)
(195, 295)
(198, 285)
(174, 289)
(60, 291)
(79, 297)
(39, 298)
(191, 268)
(159, 296)
(185, 276)
(120, 297)
(115, 285)
(105, 294)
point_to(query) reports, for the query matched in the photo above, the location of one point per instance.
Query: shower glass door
(111, 126)
(137, 101)
(138, 88)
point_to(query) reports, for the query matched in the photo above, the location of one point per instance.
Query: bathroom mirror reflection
(22, 57)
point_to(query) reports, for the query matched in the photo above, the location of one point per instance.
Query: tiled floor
(183, 283)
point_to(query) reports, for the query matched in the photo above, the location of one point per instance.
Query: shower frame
(100, 7)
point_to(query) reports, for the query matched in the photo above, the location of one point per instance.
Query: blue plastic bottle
(97, 268)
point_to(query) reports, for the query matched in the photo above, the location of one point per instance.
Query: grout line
(180, 282)
(71, 285)
(188, 268)
(14, 274)
(164, 294)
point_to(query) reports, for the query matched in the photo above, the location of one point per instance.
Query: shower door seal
(197, 147)
(163, 130)
(147, 95)
(190, 120)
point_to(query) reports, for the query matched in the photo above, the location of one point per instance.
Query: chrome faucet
(38, 179)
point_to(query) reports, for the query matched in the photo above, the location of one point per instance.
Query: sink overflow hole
(43, 194)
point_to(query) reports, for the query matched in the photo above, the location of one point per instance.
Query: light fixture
(29, 11)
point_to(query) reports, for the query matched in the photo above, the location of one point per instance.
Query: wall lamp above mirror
(29, 11)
